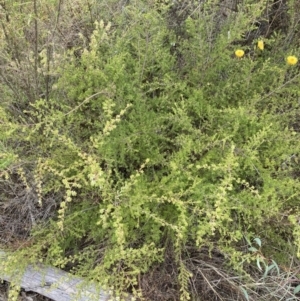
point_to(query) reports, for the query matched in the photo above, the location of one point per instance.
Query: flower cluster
(291, 59)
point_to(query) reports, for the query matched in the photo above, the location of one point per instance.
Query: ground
(24, 296)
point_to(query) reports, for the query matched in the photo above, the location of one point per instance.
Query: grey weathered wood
(57, 284)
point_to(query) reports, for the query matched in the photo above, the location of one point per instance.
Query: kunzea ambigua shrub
(145, 146)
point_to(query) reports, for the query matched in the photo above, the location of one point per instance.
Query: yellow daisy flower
(239, 53)
(260, 45)
(291, 60)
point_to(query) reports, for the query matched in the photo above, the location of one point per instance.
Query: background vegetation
(139, 152)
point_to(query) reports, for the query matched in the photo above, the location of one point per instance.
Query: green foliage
(151, 134)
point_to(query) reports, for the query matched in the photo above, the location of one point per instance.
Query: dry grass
(20, 211)
(213, 280)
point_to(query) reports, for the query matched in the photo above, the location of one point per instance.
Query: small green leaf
(297, 289)
(248, 241)
(276, 266)
(268, 269)
(245, 293)
(258, 263)
(258, 241)
(252, 249)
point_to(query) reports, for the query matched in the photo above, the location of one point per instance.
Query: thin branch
(86, 100)
(36, 45)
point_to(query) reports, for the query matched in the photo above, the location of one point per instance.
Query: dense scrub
(138, 150)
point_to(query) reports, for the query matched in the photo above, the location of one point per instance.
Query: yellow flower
(291, 60)
(260, 45)
(239, 53)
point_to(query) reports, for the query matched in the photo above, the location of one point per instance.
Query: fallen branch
(58, 285)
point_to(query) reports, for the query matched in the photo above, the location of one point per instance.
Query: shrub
(161, 137)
